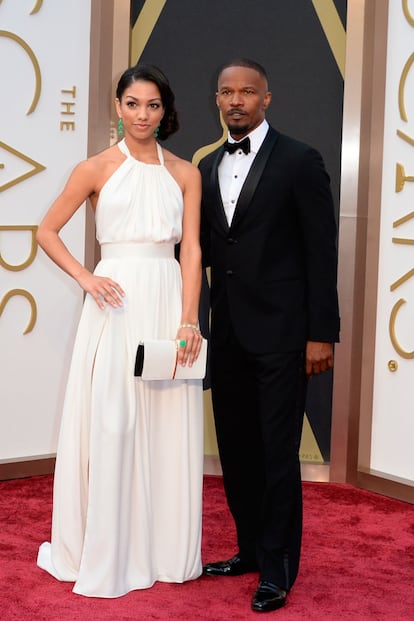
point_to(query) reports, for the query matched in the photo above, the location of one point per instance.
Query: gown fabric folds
(128, 478)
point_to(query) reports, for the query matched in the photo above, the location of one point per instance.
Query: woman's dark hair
(149, 73)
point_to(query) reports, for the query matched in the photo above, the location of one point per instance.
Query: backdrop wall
(302, 46)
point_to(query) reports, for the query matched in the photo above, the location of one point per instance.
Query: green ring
(183, 343)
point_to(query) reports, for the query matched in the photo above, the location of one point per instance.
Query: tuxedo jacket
(273, 270)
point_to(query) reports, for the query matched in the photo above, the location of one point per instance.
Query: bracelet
(190, 325)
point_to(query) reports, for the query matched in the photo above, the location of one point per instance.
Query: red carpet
(357, 564)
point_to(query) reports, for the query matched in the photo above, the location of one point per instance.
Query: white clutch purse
(158, 360)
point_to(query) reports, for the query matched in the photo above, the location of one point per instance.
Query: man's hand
(319, 357)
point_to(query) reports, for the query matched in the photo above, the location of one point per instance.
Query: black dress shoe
(235, 566)
(268, 597)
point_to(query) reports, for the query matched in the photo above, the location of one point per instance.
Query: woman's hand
(189, 344)
(102, 289)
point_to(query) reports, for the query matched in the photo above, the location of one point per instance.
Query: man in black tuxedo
(269, 236)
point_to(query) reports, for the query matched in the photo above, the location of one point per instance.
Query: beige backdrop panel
(44, 113)
(392, 421)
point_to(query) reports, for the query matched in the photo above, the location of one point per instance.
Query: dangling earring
(157, 131)
(120, 128)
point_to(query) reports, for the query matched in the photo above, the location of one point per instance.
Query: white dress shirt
(234, 168)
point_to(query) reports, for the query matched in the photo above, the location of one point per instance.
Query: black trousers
(258, 403)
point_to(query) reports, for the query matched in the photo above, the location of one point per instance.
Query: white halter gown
(128, 479)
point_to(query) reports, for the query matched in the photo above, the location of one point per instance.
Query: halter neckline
(123, 147)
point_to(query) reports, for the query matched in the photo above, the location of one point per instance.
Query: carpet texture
(357, 563)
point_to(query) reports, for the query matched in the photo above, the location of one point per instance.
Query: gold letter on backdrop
(29, 51)
(31, 301)
(33, 248)
(36, 167)
(404, 354)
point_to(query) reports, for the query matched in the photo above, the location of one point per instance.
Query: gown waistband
(139, 250)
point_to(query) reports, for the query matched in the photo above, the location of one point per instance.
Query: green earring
(157, 131)
(120, 128)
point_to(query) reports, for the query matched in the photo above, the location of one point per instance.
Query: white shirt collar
(256, 136)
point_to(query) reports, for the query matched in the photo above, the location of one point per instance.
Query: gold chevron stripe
(144, 26)
(209, 148)
(333, 29)
(309, 449)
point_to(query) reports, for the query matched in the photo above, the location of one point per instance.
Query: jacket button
(229, 273)
(230, 240)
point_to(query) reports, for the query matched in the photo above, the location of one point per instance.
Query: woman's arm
(190, 262)
(80, 186)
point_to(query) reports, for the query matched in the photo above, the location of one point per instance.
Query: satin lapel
(254, 176)
(215, 189)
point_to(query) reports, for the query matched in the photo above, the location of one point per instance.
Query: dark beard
(238, 130)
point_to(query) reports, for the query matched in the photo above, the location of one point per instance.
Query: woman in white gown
(128, 479)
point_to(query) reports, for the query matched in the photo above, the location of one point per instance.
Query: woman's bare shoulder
(107, 157)
(181, 169)
(100, 166)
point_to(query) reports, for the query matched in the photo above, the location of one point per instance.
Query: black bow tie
(244, 145)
